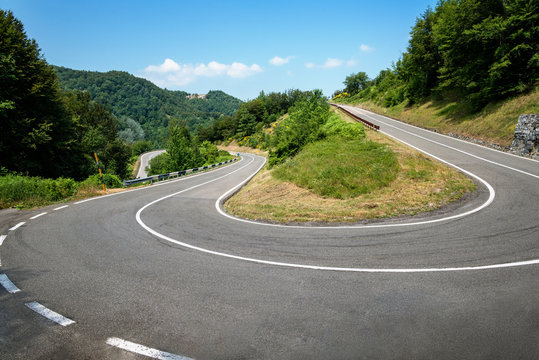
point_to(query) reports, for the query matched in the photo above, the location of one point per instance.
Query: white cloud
(351, 63)
(171, 74)
(329, 64)
(278, 61)
(366, 48)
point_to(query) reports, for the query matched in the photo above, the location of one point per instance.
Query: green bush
(302, 127)
(111, 181)
(337, 126)
(34, 190)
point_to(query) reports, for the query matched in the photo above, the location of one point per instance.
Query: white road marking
(168, 182)
(490, 199)
(314, 267)
(49, 314)
(440, 134)
(38, 215)
(144, 350)
(17, 226)
(8, 285)
(449, 147)
(2, 238)
(61, 207)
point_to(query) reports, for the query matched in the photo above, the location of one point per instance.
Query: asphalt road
(163, 268)
(145, 161)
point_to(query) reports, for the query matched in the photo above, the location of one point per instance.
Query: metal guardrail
(175, 174)
(365, 122)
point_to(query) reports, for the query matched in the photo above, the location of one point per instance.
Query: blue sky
(240, 47)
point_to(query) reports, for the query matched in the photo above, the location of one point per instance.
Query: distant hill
(139, 99)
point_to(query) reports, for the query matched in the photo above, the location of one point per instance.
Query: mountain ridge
(141, 100)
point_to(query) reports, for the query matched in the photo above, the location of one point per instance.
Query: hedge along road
(93, 263)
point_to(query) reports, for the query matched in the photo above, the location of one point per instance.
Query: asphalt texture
(205, 286)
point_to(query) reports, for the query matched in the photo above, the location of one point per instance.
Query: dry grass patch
(234, 147)
(494, 124)
(422, 184)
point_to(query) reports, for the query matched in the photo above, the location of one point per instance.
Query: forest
(150, 106)
(476, 51)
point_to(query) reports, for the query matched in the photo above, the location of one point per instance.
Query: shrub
(111, 181)
(32, 191)
(336, 126)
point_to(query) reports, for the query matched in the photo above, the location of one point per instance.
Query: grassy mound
(341, 168)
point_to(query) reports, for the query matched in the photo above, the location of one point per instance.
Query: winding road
(145, 161)
(163, 272)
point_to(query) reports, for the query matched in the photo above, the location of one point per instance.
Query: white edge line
(8, 285)
(2, 238)
(144, 350)
(61, 207)
(38, 215)
(49, 314)
(450, 147)
(492, 195)
(167, 182)
(444, 135)
(17, 226)
(314, 267)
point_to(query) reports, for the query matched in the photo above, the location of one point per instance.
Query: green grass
(27, 192)
(341, 168)
(494, 124)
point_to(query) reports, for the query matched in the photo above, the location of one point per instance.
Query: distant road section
(145, 161)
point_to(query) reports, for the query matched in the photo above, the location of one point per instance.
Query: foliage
(17, 188)
(44, 131)
(35, 130)
(252, 117)
(336, 126)
(111, 181)
(356, 82)
(300, 128)
(95, 131)
(182, 151)
(130, 131)
(478, 50)
(145, 103)
(140, 147)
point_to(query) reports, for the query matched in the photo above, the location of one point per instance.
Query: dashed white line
(144, 350)
(61, 207)
(8, 285)
(17, 226)
(38, 215)
(2, 238)
(49, 314)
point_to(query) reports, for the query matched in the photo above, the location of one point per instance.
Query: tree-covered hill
(146, 103)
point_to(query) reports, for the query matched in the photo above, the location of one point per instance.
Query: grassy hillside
(495, 124)
(145, 102)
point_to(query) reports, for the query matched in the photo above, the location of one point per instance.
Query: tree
(356, 82)
(35, 133)
(181, 149)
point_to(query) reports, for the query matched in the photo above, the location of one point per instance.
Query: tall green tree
(354, 83)
(182, 150)
(35, 130)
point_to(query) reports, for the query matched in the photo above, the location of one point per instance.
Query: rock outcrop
(526, 140)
